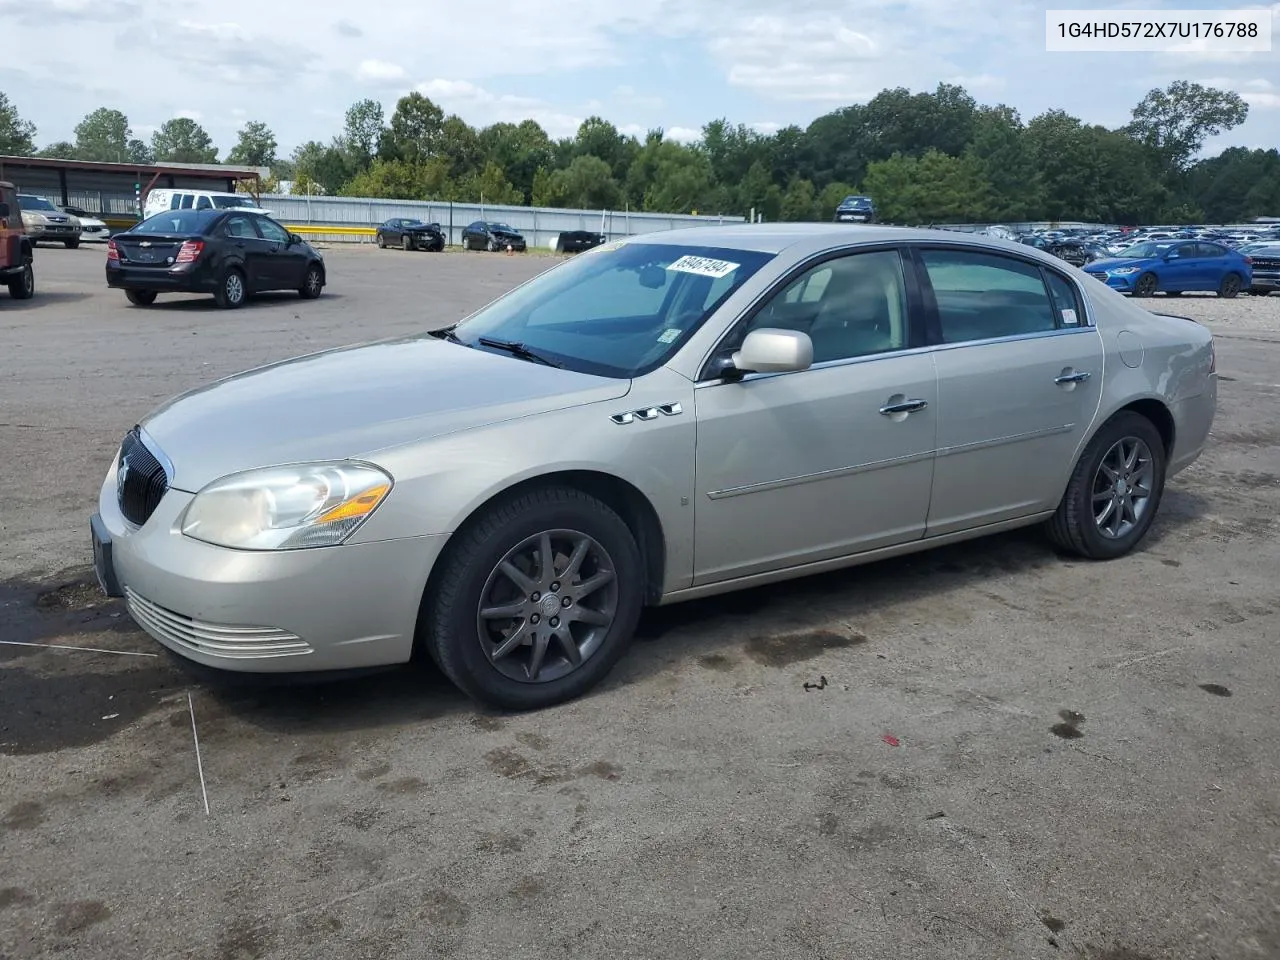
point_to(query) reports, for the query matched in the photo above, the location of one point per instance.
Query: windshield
(35, 203)
(413, 223)
(1142, 251)
(503, 227)
(175, 221)
(616, 311)
(856, 202)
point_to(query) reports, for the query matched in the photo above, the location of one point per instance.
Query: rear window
(176, 221)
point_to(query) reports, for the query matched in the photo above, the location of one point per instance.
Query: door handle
(1073, 377)
(905, 406)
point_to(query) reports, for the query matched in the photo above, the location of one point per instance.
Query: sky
(676, 64)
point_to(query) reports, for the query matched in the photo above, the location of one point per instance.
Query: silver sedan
(662, 418)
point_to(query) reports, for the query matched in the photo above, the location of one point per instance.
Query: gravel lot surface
(1013, 755)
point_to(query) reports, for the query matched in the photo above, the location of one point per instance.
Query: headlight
(1124, 271)
(287, 507)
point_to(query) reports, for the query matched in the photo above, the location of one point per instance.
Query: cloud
(766, 127)
(225, 51)
(481, 107)
(381, 72)
(1263, 101)
(682, 134)
(49, 12)
(348, 29)
(189, 114)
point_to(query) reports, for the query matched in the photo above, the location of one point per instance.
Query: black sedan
(576, 241)
(409, 234)
(231, 254)
(488, 235)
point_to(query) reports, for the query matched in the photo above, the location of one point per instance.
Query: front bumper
(52, 231)
(1122, 282)
(1265, 282)
(340, 608)
(95, 234)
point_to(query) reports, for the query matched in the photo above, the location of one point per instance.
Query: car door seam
(1001, 441)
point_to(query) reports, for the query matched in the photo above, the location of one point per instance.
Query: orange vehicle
(15, 247)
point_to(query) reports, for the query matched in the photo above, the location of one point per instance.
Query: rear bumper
(146, 278)
(1192, 421)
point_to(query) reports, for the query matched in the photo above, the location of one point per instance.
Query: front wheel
(231, 290)
(312, 283)
(1114, 490)
(381, 241)
(141, 298)
(406, 242)
(71, 244)
(24, 287)
(1230, 286)
(537, 600)
(1146, 285)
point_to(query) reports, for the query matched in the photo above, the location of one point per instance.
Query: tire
(231, 292)
(141, 298)
(381, 241)
(1173, 293)
(493, 245)
(1147, 284)
(406, 242)
(71, 244)
(312, 283)
(1230, 286)
(462, 643)
(1075, 527)
(23, 288)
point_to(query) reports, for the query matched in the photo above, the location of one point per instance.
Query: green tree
(415, 129)
(520, 149)
(103, 135)
(682, 179)
(460, 148)
(137, 151)
(1177, 120)
(392, 179)
(933, 188)
(1237, 185)
(362, 133)
(490, 185)
(586, 184)
(1002, 151)
(598, 137)
(323, 169)
(255, 146)
(17, 136)
(182, 140)
(60, 149)
(541, 193)
(800, 202)
(829, 198)
(753, 189)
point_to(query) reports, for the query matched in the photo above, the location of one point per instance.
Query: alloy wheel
(234, 288)
(547, 606)
(1122, 487)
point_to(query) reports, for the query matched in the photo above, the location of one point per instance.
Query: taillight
(189, 250)
(113, 252)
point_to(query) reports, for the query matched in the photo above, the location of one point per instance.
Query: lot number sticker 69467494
(704, 266)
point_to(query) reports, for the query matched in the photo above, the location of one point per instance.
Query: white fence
(539, 225)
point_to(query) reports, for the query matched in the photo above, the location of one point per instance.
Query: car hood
(352, 401)
(1114, 263)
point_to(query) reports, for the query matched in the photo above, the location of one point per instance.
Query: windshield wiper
(517, 349)
(446, 333)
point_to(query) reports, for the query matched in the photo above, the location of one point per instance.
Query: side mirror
(769, 350)
(4, 210)
(294, 238)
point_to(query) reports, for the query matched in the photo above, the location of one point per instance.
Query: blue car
(1175, 267)
(856, 210)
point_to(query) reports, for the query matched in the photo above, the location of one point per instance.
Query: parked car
(231, 254)
(159, 200)
(688, 413)
(576, 241)
(856, 209)
(487, 235)
(92, 230)
(1076, 252)
(43, 221)
(1175, 267)
(409, 234)
(1266, 269)
(16, 255)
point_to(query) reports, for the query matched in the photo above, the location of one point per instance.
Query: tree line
(932, 157)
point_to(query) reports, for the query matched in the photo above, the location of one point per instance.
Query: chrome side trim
(648, 413)
(1002, 441)
(822, 475)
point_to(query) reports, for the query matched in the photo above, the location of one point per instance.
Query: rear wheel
(1230, 286)
(141, 298)
(312, 283)
(231, 290)
(537, 600)
(1114, 490)
(1146, 285)
(23, 287)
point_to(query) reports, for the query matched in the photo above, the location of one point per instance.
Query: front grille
(1266, 263)
(141, 481)
(215, 639)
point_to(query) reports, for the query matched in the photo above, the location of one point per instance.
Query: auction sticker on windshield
(704, 266)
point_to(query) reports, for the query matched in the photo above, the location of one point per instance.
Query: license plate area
(103, 559)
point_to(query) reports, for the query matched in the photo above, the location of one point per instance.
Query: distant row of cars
(493, 236)
(47, 222)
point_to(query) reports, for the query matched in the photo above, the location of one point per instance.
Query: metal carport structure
(114, 191)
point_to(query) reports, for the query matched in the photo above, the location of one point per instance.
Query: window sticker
(669, 335)
(1069, 317)
(704, 266)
